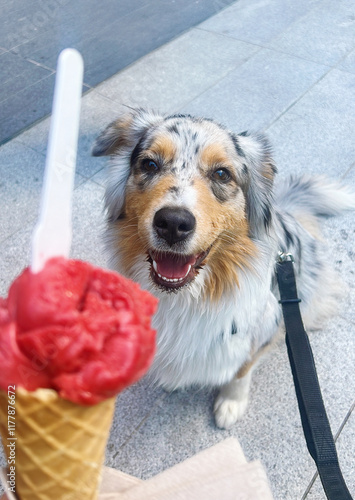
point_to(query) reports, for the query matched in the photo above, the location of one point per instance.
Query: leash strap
(316, 428)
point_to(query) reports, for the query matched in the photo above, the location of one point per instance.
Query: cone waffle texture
(60, 445)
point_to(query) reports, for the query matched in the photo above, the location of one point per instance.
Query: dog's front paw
(228, 411)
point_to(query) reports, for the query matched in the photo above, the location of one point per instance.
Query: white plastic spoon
(53, 232)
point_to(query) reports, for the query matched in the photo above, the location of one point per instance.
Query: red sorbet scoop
(81, 330)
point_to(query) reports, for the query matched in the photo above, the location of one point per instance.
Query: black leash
(316, 428)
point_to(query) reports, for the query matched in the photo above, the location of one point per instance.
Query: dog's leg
(232, 400)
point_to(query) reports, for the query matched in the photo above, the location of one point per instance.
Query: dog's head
(185, 198)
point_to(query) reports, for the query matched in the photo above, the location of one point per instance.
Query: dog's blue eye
(221, 174)
(150, 166)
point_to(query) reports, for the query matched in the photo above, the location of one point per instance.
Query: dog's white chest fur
(206, 344)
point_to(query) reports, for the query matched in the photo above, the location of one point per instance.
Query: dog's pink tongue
(172, 267)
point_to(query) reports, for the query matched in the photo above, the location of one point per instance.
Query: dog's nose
(174, 224)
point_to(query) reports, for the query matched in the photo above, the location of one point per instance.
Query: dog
(194, 216)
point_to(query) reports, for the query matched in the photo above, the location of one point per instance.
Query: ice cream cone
(59, 446)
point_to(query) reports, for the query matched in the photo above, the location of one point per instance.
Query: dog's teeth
(170, 280)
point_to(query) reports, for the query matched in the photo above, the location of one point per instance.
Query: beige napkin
(218, 472)
(115, 481)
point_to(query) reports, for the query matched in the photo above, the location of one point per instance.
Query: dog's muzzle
(174, 225)
(171, 267)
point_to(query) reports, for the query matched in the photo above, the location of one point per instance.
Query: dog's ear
(256, 155)
(118, 140)
(125, 132)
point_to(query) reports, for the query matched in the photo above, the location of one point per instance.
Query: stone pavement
(109, 34)
(282, 67)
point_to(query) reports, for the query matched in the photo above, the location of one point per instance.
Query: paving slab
(110, 36)
(178, 72)
(339, 232)
(15, 255)
(87, 244)
(96, 113)
(258, 21)
(13, 6)
(316, 135)
(40, 30)
(20, 185)
(133, 408)
(312, 37)
(348, 63)
(19, 22)
(345, 451)
(87, 214)
(26, 106)
(258, 92)
(18, 73)
(100, 177)
(141, 32)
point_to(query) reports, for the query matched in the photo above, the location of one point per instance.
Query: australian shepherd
(193, 216)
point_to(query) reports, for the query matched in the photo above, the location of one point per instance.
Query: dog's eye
(150, 166)
(221, 175)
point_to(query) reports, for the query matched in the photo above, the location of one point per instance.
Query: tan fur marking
(145, 202)
(164, 146)
(128, 243)
(122, 126)
(311, 224)
(226, 227)
(231, 253)
(140, 209)
(268, 171)
(254, 359)
(214, 154)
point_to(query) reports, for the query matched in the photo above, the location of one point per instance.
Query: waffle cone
(60, 445)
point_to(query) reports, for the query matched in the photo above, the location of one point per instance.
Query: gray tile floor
(283, 67)
(109, 34)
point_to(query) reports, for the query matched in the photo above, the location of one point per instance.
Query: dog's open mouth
(172, 271)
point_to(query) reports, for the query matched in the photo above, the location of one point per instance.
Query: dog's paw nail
(228, 411)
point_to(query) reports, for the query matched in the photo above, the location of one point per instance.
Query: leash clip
(283, 257)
